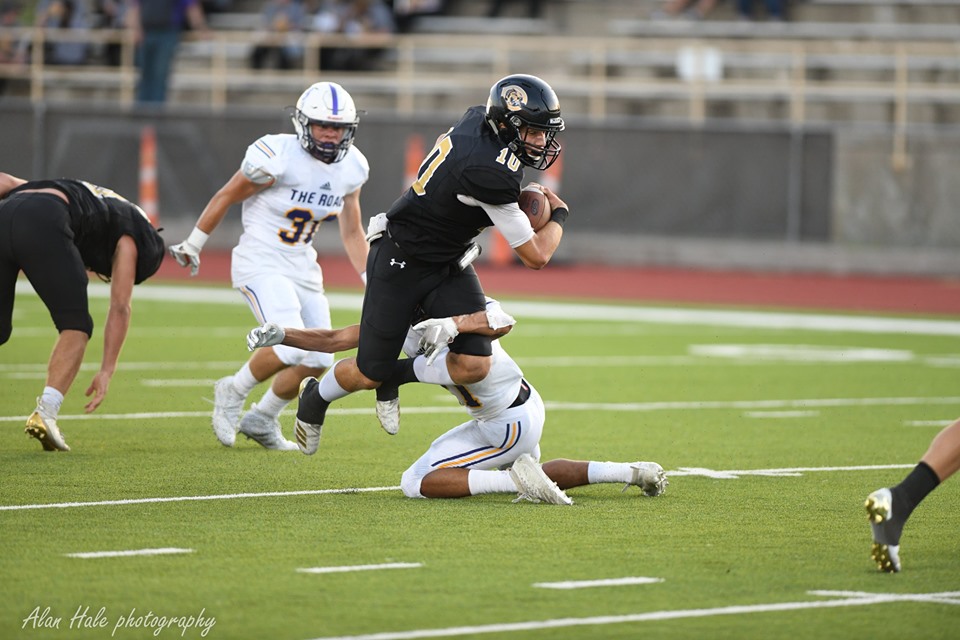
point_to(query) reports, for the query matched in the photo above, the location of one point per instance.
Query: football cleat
(535, 485)
(43, 426)
(227, 405)
(650, 477)
(308, 435)
(388, 413)
(264, 430)
(886, 550)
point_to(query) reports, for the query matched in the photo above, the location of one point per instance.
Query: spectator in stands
(158, 25)
(282, 22)
(776, 9)
(113, 16)
(353, 18)
(405, 12)
(65, 15)
(534, 8)
(9, 19)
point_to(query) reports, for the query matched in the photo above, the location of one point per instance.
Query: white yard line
(687, 405)
(224, 496)
(682, 471)
(852, 599)
(362, 567)
(125, 554)
(607, 582)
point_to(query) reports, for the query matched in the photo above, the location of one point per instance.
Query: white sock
(490, 481)
(243, 380)
(329, 388)
(436, 373)
(271, 404)
(608, 472)
(52, 400)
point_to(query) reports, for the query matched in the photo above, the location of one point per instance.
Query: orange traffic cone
(148, 173)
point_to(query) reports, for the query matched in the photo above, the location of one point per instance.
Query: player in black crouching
(55, 231)
(422, 249)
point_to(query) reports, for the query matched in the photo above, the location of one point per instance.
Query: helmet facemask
(329, 105)
(328, 152)
(532, 155)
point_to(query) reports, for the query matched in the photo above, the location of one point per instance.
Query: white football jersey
(280, 222)
(486, 399)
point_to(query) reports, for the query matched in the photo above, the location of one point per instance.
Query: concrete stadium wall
(711, 197)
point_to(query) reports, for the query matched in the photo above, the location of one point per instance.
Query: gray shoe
(533, 484)
(879, 506)
(264, 430)
(388, 413)
(43, 426)
(227, 405)
(650, 477)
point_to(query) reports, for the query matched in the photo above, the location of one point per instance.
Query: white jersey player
(498, 449)
(289, 185)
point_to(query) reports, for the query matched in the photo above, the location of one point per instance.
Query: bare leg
(943, 456)
(567, 473)
(445, 483)
(265, 363)
(66, 358)
(287, 383)
(349, 377)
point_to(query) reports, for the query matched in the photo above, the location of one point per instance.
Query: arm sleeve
(508, 218)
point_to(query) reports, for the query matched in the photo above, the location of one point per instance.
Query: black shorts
(397, 288)
(35, 236)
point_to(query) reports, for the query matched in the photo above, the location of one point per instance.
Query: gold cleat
(886, 556)
(877, 509)
(46, 431)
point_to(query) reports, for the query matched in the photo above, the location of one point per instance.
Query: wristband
(559, 215)
(197, 238)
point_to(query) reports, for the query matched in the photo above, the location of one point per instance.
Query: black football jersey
(428, 221)
(98, 218)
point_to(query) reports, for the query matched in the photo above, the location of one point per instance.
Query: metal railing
(791, 80)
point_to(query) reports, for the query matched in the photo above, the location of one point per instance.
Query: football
(535, 204)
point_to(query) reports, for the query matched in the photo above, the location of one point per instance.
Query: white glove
(376, 226)
(188, 251)
(436, 333)
(265, 336)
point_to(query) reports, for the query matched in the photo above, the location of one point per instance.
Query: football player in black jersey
(54, 231)
(420, 257)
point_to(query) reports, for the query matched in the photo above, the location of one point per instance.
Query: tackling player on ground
(288, 184)
(421, 258)
(497, 450)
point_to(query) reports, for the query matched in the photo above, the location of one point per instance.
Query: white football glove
(265, 336)
(188, 251)
(376, 226)
(187, 254)
(436, 333)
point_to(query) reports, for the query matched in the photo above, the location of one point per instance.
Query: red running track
(912, 295)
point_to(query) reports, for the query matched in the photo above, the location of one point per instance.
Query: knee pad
(410, 483)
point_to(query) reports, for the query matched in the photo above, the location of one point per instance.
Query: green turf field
(772, 436)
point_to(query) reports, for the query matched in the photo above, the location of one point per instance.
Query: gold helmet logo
(514, 97)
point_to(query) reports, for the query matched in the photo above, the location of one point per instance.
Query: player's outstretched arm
(325, 340)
